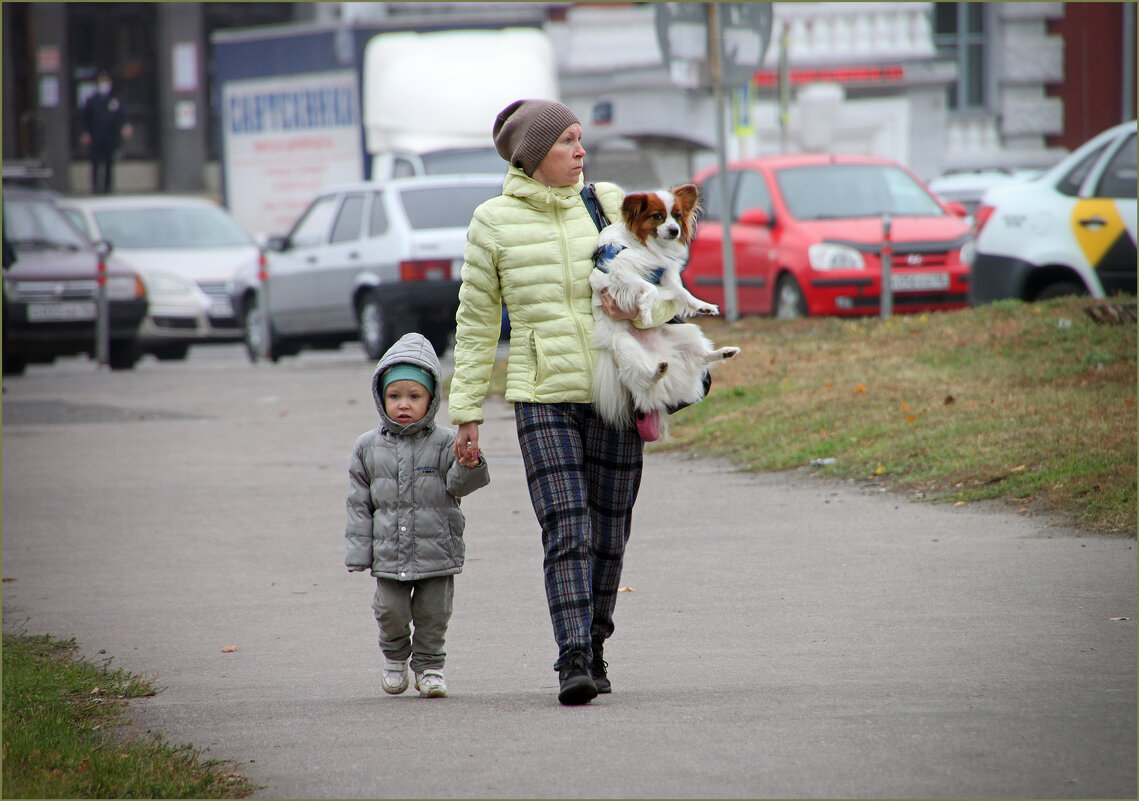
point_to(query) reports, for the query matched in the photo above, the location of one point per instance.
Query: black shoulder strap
(589, 195)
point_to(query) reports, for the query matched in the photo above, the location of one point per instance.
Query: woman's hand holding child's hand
(467, 445)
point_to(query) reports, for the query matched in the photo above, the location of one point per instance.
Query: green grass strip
(62, 734)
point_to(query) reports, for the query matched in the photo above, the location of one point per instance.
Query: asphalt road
(780, 636)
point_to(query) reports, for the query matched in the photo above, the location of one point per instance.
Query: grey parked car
(368, 261)
(50, 289)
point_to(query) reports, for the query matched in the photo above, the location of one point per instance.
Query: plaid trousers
(583, 478)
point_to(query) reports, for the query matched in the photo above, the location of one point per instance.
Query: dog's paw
(662, 368)
(727, 353)
(708, 309)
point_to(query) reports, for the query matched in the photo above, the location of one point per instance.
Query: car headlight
(826, 256)
(168, 284)
(968, 252)
(125, 287)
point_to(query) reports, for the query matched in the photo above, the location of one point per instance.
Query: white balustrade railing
(596, 38)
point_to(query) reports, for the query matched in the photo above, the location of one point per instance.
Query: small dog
(639, 262)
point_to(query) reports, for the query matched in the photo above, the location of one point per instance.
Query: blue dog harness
(606, 253)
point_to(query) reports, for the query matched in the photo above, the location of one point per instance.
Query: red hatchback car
(807, 237)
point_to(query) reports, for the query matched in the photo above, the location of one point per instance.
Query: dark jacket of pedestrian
(104, 119)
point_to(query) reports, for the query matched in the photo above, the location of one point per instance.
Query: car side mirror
(958, 209)
(277, 243)
(758, 217)
(103, 248)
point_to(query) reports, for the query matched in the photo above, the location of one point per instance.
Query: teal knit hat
(407, 372)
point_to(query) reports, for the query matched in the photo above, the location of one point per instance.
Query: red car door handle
(1093, 222)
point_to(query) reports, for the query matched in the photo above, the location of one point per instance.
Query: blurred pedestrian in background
(105, 126)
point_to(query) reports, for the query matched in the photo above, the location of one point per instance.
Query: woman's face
(563, 164)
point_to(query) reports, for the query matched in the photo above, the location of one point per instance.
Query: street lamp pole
(715, 42)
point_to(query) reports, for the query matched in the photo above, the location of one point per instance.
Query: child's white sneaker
(430, 684)
(394, 678)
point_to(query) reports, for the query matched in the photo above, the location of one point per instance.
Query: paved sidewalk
(781, 635)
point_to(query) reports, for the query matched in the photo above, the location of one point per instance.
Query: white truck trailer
(303, 107)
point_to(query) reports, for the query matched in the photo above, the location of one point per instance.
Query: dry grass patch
(1032, 403)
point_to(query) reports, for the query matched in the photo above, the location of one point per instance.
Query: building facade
(939, 86)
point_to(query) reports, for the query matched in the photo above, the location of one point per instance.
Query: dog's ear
(634, 206)
(687, 198)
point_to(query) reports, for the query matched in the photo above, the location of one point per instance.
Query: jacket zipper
(567, 282)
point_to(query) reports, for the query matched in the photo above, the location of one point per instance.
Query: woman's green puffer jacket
(532, 248)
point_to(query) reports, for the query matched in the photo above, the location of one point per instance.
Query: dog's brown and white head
(664, 214)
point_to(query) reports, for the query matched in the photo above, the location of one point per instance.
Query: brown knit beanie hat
(526, 130)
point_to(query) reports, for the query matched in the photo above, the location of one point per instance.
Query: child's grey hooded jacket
(404, 485)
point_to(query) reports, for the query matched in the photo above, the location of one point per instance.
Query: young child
(404, 522)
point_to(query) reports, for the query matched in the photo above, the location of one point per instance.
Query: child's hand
(467, 444)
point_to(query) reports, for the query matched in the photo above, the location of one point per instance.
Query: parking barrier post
(102, 315)
(263, 300)
(886, 255)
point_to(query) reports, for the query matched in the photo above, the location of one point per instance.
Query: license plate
(919, 282)
(59, 312)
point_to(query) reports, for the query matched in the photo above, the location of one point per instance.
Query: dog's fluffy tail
(610, 398)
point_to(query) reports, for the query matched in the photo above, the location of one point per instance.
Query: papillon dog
(638, 262)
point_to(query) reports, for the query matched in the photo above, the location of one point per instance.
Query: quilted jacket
(404, 486)
(532, 248)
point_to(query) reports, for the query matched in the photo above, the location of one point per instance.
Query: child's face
(406, 401)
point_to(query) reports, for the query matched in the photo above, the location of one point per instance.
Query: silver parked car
(368, 261)
(51, 288)
(186, 249)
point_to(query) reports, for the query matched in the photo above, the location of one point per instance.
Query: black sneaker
(598, 668)
(576, 679)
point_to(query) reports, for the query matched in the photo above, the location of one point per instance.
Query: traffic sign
(682, 33)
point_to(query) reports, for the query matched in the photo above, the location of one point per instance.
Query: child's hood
(409, 349)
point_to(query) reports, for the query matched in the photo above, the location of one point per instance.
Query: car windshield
(837, 191)
(38, 224)
(445, 206)
(170, 227)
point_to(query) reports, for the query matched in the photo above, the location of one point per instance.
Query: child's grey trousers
(413, 618)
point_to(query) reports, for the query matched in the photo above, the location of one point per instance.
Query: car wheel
(789, 301)
(124, 354)
(375, 330)
(14, 365)
(439, 335)
(253, 323)
(1060, 289)
(171, 353)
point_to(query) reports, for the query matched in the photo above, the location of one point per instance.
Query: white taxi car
(1068, 231)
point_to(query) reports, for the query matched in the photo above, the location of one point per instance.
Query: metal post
(886, 255)
(731, 307)
(263, 300)
(102, 315)
(784, 88)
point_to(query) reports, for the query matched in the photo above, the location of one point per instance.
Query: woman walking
(532, 249)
